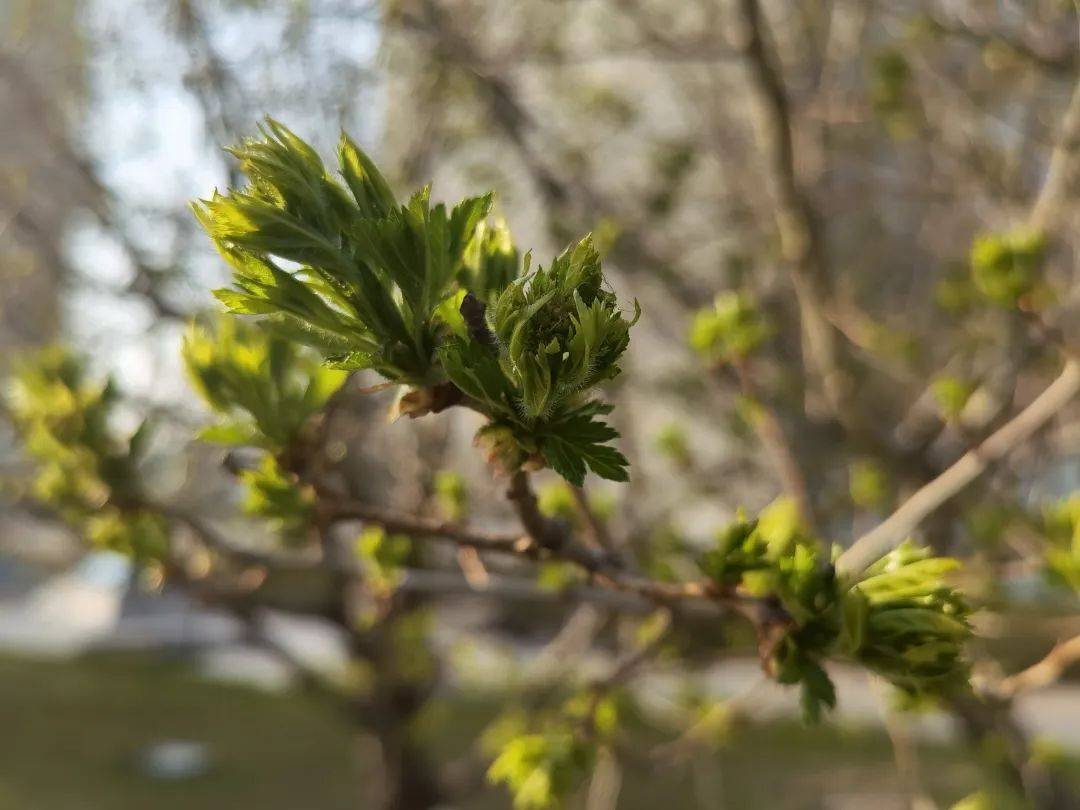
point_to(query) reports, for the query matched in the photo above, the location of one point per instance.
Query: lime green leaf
(234, 434)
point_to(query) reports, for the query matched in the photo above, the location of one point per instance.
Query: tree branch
(512, 118)
(970, 466)
(554, 537)
(1049, 205)
(546, 538)
(342, 509)
(1062, 62)
(213, 540)
(1044, 672)
(98, 198)
(801, 242)
(597, 530)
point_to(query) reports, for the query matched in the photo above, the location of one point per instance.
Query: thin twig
(625, 666)
(597, 530)
(215, 541)
(777, 444)
(1044, 672)
(970, 466)
(344, 509)
(559, 190)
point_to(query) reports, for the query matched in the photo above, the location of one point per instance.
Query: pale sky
(144, 130)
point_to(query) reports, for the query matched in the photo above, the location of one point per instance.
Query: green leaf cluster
(739, 549)
(274, 494)
(556, 499)
(730, 330)
(951, 394)
(774, 558)
(421, 293)
(541, 769)
(901, 619)
(138, 533)
(558, 333)
(868, 484)
(86, 469)
(578, 439)
(383, 557)
(265, 389)
(892, 94)
(569, 444)
(1005, 266)
(1061, 528)
(905, 622)
(490, 262)
(543, 765)
(452, 494)
(543, 343)
(340, 264)
(746, 547)
(263, 385)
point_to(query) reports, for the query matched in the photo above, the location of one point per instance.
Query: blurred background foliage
(851, 227)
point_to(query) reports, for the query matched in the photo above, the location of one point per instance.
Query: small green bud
(382, 556)
(729, 331)
(1061, 528)
(891, 93)
(672, 443)
(868, 483)
(501, 448)
(916, 624)
(902, 620)
(490, 262)
(452, 494)
(952, 395)
(1005, 267)
(561, 331)
(264, 386)
(274, 494)
(85, 469)
(542, 768)
(141, 534)
(977, 801)
(556, 500)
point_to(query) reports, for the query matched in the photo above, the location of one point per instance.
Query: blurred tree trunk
(409, 778)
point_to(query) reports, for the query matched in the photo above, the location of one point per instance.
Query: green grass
(70, 733)
(778, 765)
